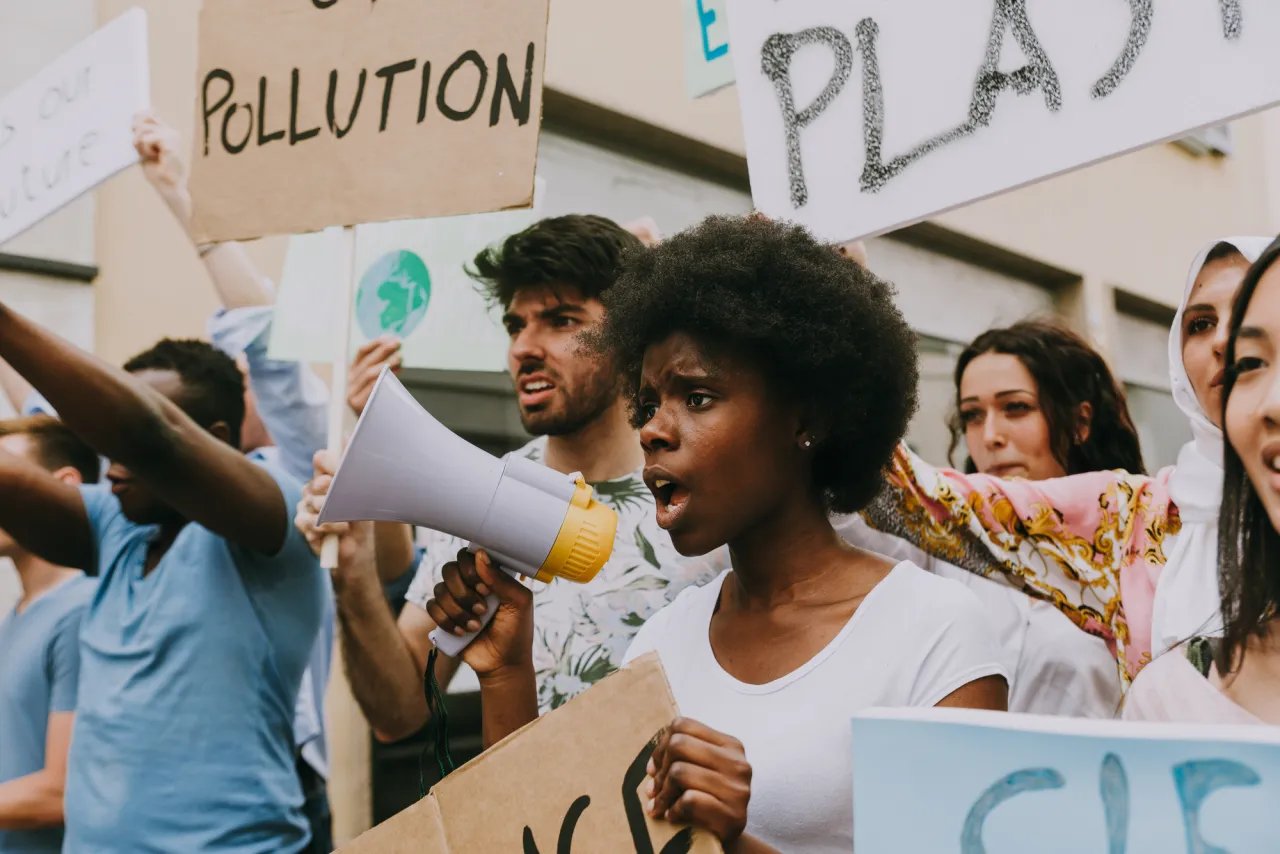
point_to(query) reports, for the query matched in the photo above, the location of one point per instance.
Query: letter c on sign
(1026, 780)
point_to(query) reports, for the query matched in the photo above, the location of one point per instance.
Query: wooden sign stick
(346, 238)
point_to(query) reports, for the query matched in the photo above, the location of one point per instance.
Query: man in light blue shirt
(208, 607)
(40, 656)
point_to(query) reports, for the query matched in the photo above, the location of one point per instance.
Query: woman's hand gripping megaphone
(458, 607)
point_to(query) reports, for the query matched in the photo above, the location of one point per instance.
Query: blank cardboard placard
(411, 283)
(70, 127)
(567, 782)
(708, 67)
(315, 114)
(861, 116)
(1060, 785)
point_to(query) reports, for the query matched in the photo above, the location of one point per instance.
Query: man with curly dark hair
(771, 380)
(549, 280)
(193, 648)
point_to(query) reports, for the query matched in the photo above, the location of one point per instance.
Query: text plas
(314, 114)
(968, 782)
(70, 127)
(864, 115)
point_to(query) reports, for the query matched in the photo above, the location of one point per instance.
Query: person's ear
(813, 427)
(1084, 423)
(69, 475)
(221, 431)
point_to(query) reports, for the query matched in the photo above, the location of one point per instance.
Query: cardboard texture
(569, 781)
(310, 117)
(70, 127)
(989, 781)
(862, 116)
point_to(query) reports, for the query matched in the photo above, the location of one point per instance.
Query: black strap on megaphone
(437, 727)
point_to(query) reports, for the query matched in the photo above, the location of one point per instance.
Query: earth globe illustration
(393, 295)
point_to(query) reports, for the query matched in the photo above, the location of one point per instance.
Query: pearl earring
(807, 443)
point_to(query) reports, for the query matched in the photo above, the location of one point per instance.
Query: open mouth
(671, 498)
(535, 389)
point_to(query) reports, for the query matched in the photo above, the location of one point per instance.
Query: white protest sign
(70, 127)
(411, 283)
(969, 782)
(708, 66)
(862, 116)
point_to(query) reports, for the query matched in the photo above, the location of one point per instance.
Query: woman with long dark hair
(1235, 677)
(1130, 558)
(1034, 400)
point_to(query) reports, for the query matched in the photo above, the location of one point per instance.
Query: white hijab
(1187, 598)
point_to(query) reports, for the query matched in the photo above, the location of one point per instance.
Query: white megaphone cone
(402, 465)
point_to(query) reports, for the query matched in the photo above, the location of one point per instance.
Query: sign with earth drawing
(411, 283)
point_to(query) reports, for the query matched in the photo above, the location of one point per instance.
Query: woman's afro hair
(824, 329)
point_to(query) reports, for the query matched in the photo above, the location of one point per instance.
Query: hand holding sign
(367, 366)
(701, 777)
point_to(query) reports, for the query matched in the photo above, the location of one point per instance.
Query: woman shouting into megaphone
(772, 379)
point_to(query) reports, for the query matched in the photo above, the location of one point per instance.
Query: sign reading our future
(70, 126)
(864, 115)
(315, 113)
(968, 782)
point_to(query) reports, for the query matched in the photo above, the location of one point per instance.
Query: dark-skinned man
(209, 601)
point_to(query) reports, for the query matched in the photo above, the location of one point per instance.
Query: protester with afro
(772, 380)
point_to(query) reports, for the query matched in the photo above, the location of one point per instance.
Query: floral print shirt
(582, 630)
(1092, 544)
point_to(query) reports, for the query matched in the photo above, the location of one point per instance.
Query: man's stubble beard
(580, 407)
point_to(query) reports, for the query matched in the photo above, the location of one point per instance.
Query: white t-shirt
(582, 630)
(914, 640)
(1055, 667)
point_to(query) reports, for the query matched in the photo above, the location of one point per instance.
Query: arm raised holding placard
(236, 279)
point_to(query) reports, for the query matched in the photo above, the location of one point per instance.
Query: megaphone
(402, 465)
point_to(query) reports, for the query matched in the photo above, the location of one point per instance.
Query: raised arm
(236, 279)
(16, 389)
(125, 420)
(1092, 544)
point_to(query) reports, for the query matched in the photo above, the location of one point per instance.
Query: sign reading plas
(970, 782)
(865, 115)
(69, 127)
(315, 113)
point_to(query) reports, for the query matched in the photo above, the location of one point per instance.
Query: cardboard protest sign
(70, 127)
(708, 67)
(953, 780)
(567, 782)
(317, 113)
(861, 116)
(411, 283)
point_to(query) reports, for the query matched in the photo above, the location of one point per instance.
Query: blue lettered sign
(953, 781)
(708, 66)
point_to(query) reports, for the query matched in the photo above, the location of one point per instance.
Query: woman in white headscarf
(1127, 557)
